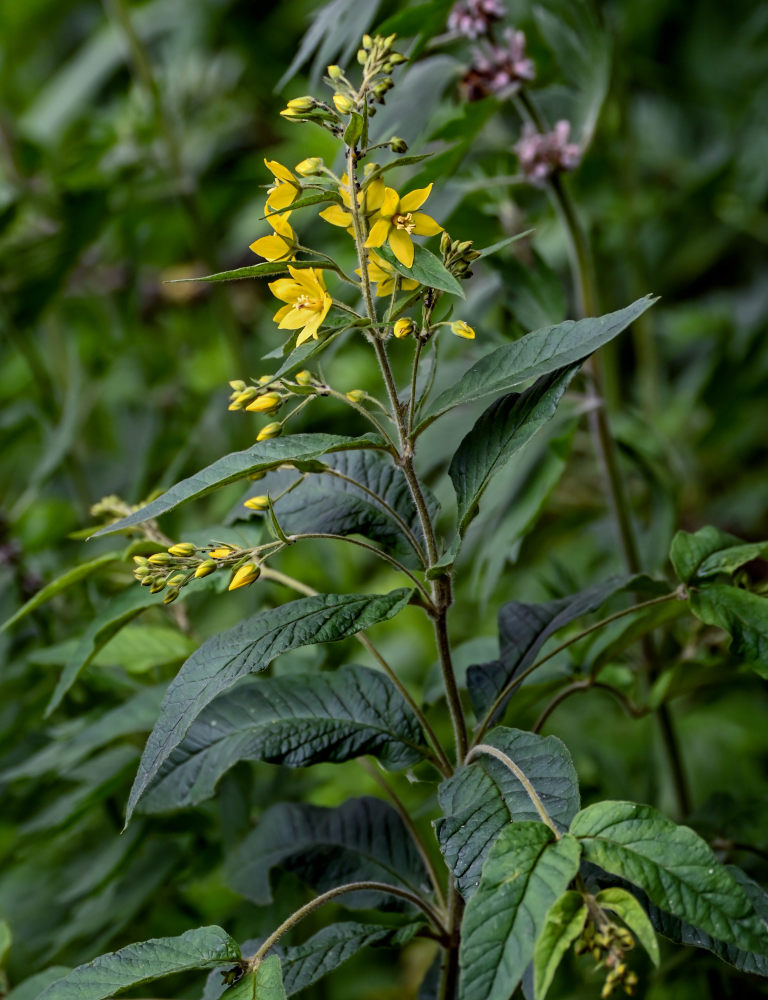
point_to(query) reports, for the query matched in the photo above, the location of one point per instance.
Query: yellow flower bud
(367, 41)
(303, 377)
(404, 327)
(343, 103)
(462, 329)
(270, 431)
(221, 553)
(312, 165)
(205, 568)
(265, 379)
(356, 395)
(335, 72)
(237, 384)
(257, 503)
(398, 145)
(245, 575)
(256, 475)
(160, 559)
(183, 549)
(140, 560)
(156, 586)
(301, 104)
(147, 581)
(246, 395)
(177, 580)
(270, 402)
(141, 571)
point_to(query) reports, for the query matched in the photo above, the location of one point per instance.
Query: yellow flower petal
(385, 287)
(389, 203)
(281, 196)
(408, 284)
(414, 199)
(282, 173)
(401, 246)
(271, 247)
(336, 215)
(425, 225)
(286, 289)
(378, 233)
(280, 224)
(374, 195)
(281, 312)
(294, 319)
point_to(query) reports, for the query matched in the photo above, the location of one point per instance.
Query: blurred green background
(132, 138)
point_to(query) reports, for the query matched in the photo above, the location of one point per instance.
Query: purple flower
(473, 18)
(542, 153)
(498, 69)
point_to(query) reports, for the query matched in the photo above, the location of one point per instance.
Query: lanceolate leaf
(673, 866)
(481, 798)
(61, 583)
(362, 839)
(525, 872)
(742, 614)
(265, 270)
(325, 951)
(326, 503)
(301, 450)
(535, 354)
(247, 648)
(709, 552)
(563, 924)
(503, 429)
(426, 269)
(523, 630)
(299, 357)
(296, 720)
(137, 964)
(626, 906)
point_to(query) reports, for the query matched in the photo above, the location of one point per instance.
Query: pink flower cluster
(542, 153)
(498, 69)
(473, 18)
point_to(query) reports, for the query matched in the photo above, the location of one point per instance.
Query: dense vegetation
(133, 140)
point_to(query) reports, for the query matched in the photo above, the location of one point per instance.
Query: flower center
(404, 222)
(307, 302)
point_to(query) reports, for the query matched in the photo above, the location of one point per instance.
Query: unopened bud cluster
(458, 255)
(173, 569)
(607, 944)
(267, 396)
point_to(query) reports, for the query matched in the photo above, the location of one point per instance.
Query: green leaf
(325, 951)
(326, 503)
(266, 983)
(481, 798)
(5, 941)
(247, 648)
(523, 630)
(525, 872)
(296, 720)
(564, 922)
(496, 247)
(426, 269)
(142, 963)
(60, 584)
(626, 906)
(533, 355)
(709, 552)
(740, 613)
(32, 987)
(266, 270)
(501, 431)
(301, 450)
(104, 625)
(362, 839)
(674, 866)
(318, 198)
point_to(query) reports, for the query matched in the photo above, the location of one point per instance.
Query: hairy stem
(587, 684)
(533, 795)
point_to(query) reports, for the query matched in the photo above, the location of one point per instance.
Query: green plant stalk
(491, 751)
(587, 684)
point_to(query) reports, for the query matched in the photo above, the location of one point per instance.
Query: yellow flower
(284, 191)
(272, 430)
(257, 503)
(245, 575)
(398, 221)
(279, 245)
(221, 553)
(383, 274)
(307, 301)
(270, 402)
(205, 569)
(462, 329)
(369, 199)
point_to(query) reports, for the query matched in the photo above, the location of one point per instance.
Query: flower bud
(245, 575)
(183, 549)
(301, 104)
(264, 379)
(356, 395)
(147, 581)
(171, 596)
(362, 56)
(246, 395)
(367, 41)
(272, 430)
(141, 572)
(396, 58)
(303, 377)
(462, 329)
(312, 165)
(270, 402)
(254, 476)
(205, 569)
(445, 243)
(404, 327)
(398, 145)
(221, 552)
(343, 103)
(257, 503)
(140, 560)
(237, 384)
(156, 586)
(335, 72)
(177, 580)
(160, 559)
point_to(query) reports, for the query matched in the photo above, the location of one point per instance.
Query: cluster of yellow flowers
(184, 561)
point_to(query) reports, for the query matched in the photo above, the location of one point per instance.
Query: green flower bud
(398, 145)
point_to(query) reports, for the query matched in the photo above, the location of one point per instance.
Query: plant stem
(450, 971)
(340, 890)
(533, 795)
(585, 685)
(517, 681)
(441, 761)
(405, 816)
